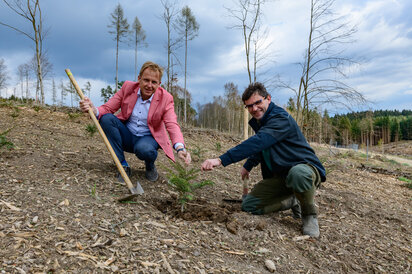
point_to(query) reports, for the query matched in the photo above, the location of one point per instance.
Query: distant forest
(375, 127)
(362, 128)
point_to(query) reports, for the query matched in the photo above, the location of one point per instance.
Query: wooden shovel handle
(245, 187)
(106, 141)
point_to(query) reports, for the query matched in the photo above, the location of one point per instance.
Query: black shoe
(128, 172)
(152, 175)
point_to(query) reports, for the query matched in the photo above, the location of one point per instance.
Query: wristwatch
(180, 149)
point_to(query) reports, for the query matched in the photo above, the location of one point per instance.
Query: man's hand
(185, 156)
(244, 173)
(209, 164)
(85, 104)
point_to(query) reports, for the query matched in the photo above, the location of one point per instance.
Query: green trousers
(267, 195)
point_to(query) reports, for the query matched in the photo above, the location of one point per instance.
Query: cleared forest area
(59, 209)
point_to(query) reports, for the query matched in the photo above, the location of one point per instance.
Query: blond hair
(152, 66)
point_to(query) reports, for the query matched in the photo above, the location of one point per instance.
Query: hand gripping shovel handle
(106, 141)
(245, 187)
(244, 194)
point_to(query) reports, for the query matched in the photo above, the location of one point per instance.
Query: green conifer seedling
(181, 179)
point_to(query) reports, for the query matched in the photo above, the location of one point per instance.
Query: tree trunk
(117, 62)
(185, 75)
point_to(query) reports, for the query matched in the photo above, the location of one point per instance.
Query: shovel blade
(138, 189)
(135, 191)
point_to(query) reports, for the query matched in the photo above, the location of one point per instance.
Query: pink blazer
(161, 119)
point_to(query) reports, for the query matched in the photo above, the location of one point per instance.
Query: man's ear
(269, 98)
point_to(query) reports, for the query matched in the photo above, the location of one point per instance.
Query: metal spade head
(138, 190)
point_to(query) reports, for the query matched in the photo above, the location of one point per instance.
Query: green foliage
(36, 108)
(107, 93)
(93, 191)
(407, 181)
(91, 129)
(397, 125)
(74, 115)
(181, 179)
(218, 146)
(15, 113)
(392, 162)
(5, 103)
(4, 142)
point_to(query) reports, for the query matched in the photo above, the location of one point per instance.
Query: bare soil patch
(59, 210)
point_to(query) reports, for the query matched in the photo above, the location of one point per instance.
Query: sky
(78, 39)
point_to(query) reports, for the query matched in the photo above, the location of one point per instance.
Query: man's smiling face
(149, 82)
(257, 105)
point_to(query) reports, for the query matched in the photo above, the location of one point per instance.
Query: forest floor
(59, 209)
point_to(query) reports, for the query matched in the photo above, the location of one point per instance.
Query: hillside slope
(59, 210)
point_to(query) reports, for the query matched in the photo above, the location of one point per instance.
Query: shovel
(245, 192)
(133, 190)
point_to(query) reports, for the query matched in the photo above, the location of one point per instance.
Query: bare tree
(324, 66)
(63, 93)
(20, 72)
(87, 88)
(26, 72)
(70, 89)
(31, 11)
(46, 70)
(188, 28)
(54, 93)
(139, 37)
(120, 30)
(248, 14)
(168, 16)
(233, 105)
(23, 71)
(263, 56)
(3, 74)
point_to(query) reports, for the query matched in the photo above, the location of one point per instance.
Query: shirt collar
(139, 96)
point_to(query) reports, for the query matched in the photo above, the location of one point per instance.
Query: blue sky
(78, 39)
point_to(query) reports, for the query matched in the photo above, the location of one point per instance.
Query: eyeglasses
(257, 103)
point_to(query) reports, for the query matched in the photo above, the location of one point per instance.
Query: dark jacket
(278, 145)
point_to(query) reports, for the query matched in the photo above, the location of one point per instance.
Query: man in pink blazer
(144, 123)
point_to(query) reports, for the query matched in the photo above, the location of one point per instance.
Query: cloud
(79, 40)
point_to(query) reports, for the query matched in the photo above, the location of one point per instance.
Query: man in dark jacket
(290, 167)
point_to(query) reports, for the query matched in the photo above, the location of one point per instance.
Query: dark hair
(253, 88)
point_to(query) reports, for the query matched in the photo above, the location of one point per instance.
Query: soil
(60, 211)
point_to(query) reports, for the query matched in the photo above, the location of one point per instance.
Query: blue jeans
(121, 139)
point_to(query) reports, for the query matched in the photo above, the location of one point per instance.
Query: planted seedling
(93, 191)
(3, 140)
(91, 129)
(74, 115)
(181, 179)
(218, 146)
(408, 182)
